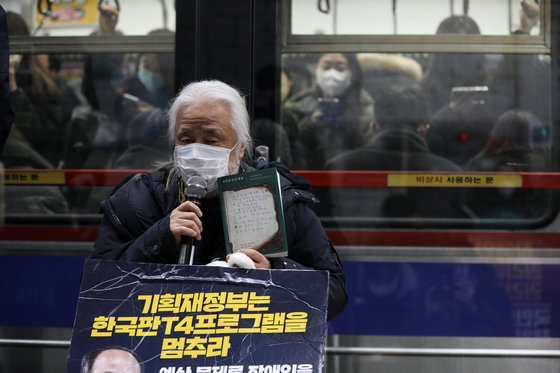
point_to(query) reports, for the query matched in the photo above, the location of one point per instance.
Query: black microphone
(194, 191)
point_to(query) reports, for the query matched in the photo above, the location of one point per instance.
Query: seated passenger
(397, 144)
(518, 143)
(334, 115)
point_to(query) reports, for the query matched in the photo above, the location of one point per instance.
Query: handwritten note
(252, 218)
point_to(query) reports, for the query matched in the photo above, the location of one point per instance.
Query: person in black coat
(402, 121)
(519, 142)
(145, 218)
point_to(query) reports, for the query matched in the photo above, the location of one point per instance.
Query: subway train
(426, 129)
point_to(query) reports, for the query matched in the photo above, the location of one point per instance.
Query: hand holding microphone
(185, 221)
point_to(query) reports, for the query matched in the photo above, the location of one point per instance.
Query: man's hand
(15, 60)
(259, 259)
(108, 19)
(529, 16)
(185, 221)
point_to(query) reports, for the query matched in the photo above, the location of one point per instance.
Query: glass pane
(83, 111)
(440, 112)
(83, 17)
(411, 17)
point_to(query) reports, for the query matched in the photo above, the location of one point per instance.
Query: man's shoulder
(433, 162)
(142, 180)
(356, 159)
(139, 190)
(373, 158)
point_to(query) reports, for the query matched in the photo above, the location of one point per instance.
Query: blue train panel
(39, 291)
(399, 299)
(451, 299)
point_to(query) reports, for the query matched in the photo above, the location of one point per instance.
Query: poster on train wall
(162, 318)
(67, 13)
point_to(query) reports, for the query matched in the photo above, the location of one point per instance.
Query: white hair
(212, 91)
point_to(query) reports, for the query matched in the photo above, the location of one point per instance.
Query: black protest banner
(199, 319)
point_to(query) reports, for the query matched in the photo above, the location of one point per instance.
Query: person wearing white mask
(335, 114)
(146, 217)
(144, 99)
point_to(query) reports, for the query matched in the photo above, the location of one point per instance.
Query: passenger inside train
(402, 122)
(335, 114)
(108, 110)
(519, 142)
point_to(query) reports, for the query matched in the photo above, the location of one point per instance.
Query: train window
(357, 17)
(87, 94)
(444, 110)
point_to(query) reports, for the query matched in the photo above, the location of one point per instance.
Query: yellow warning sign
(455, 180)
(34, 177)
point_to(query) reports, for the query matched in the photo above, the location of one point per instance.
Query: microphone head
(196, 188)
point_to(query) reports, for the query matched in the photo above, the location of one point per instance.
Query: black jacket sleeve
(310, 248)
(134, 226)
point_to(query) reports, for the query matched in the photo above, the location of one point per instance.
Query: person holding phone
(335, 114)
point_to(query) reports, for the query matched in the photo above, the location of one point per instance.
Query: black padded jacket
(135, 228)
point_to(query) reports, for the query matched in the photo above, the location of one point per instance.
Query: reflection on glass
(410, 17)
(333, 114)
(85, 111)
(483, 112)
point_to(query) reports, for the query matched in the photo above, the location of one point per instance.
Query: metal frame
(92, 44)
(385, 351)
(416, 43)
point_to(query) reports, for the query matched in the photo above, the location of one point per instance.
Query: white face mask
(207, 161)
(152, 81)
(332, 81)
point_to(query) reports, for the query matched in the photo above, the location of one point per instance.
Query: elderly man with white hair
(145, 218)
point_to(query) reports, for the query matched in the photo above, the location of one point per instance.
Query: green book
(252, 212)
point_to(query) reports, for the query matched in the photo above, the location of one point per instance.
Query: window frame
(293, 43)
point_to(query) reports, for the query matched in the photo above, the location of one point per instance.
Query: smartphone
(475, 95)
(330, 108)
